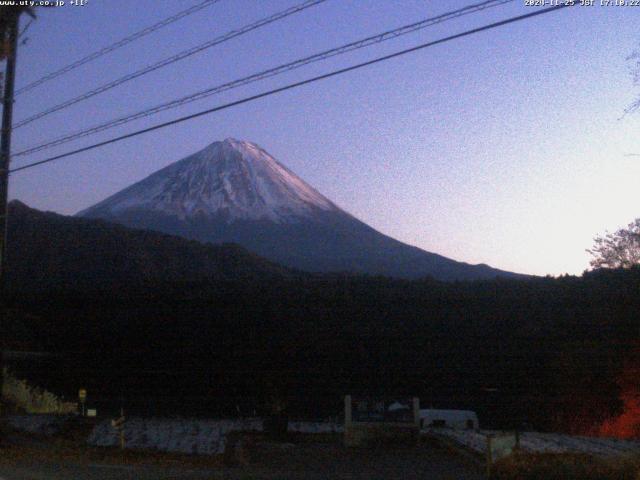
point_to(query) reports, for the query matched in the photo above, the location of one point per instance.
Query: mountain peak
(234, 191)
(234, 179)
(235, 142)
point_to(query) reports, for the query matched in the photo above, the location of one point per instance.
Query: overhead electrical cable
(295, 85)
(170, 60)
(114, 46)
(23, 32)
(375, 39)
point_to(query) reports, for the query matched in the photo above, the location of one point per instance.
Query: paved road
(48, 471)
(306, 462)
(330, 461)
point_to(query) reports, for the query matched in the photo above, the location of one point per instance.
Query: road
(48, 471)
(288, 462)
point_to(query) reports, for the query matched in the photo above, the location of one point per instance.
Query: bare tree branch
(617, 250)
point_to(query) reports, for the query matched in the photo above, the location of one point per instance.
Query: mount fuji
(234, 191)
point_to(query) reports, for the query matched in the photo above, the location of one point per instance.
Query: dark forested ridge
(553, 348)
(543, 351)
(50, 250)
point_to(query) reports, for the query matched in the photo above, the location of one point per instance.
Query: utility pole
(12, 18)
(9, 21)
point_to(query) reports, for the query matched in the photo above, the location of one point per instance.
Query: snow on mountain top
(234, 178)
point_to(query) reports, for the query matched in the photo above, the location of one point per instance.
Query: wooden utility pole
(11, 17)
(9, 21)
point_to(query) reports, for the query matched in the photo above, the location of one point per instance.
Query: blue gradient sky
(505, 148)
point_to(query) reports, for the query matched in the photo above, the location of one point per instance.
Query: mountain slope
(45, 249)
(234, 191)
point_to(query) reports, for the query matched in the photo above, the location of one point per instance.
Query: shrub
(567, 466)
(32, 399)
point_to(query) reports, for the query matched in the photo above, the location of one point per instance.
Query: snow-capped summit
(234, 191)
(233, 178)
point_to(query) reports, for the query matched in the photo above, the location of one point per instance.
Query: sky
(509, 147)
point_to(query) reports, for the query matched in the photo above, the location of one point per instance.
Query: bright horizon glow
(505, 148)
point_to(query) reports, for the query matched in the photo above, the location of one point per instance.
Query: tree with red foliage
(627, 424)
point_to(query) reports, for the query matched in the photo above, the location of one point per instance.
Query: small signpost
(82, 396)
(500, 446)
(118, 424)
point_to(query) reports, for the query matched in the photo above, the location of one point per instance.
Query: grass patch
(72, 449)
(566, 466)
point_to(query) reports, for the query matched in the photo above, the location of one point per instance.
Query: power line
(174, 58)
(23, 31)
(118, 44)
(295, 85)
(375, 39)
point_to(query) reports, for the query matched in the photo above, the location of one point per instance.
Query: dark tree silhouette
(617, 250)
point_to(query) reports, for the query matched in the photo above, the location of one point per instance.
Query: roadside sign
(368, 419)
(82, 396)
(92, 412)
(381, 410)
